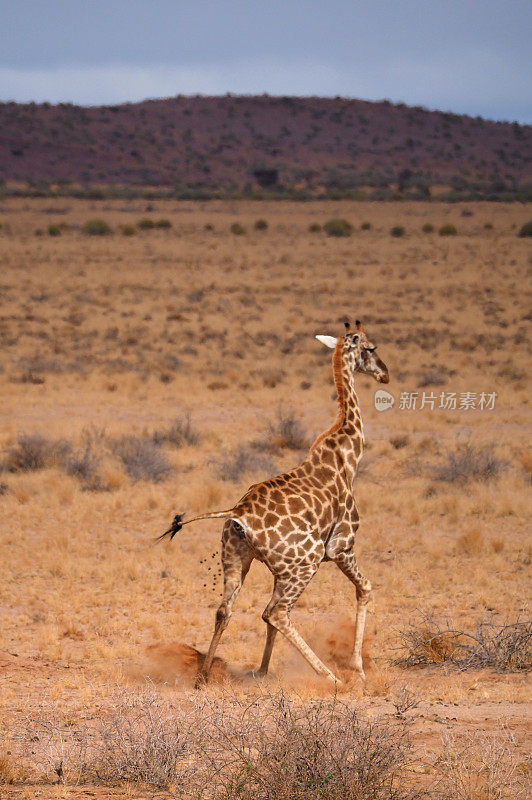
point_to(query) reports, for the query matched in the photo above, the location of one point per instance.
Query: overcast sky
(467, 56)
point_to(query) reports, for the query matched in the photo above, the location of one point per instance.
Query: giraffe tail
(177, 522)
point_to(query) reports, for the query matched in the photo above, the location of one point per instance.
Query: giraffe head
(359, 352)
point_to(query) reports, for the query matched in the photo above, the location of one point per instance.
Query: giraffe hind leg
(236, 561)
(288, 589)
(347, 563)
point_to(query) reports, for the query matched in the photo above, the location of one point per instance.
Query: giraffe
(295, 521)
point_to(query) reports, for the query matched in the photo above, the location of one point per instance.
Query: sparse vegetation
(448, 230)
(469, 462)
(525, 230)
(285, 432)
(428, 227)
(366, 226)
(314, 227)
(180, 432)
(128, 230)
(237, 229)
(338, 227)
(163, 224)
(146, 224)
(507, 648)
(54, 229)
(96, 227)
(142, 459)
(245, 459)
(33, 451)
(260, 225)
(397, 231)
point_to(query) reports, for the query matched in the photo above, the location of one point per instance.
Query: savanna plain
(166, 366)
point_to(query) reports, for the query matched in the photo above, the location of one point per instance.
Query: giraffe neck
(349, 419)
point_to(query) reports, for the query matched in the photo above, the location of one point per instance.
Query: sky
(466, 56)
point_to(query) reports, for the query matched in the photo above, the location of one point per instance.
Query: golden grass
(124, 334)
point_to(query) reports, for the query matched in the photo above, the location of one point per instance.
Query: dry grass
(126, 334)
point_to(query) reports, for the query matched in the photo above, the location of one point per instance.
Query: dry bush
(34, 451)
(143, 741)
(480, 767)
(505, 648)
(469, 462)
(284, 432)
(245, 459)
(85, 463)
(61, 751)
(142, 459)
(280, 748)
(10, 768)
(181, 432)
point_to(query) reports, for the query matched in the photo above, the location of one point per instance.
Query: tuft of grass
(397, 231)
(85, 464)
(128, 230)
(245, 459)
(506, 648)
(366, 226)
(181, 432)
(237, 229)
(54, 229)
(428, 227)
(145, 224)
(33, 451)
(260, 225)
(525, 230)
(314, 227)
(141, 458)
(96, 227)
(338, 227)
(447, 230)
(163, 224)
(469, 462)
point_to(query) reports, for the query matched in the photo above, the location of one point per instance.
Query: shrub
(507, 648)
(85, 464)
(128, 230)
(314, 227)
(145, 224)
(163, 224)
(260, 225)
(467, 463)
(488, 226)
(397, 231)
(246, 459)
(338, 227)
(526, 230)
(181, 432)
(142, 459)
(54, 229)
(285, 432)
(208, 226)
(96, 227)
(237, 229)
(447, 230)
(366, 226)
(428, 227)
(34, 451)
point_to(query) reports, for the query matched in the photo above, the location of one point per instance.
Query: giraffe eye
(371, 349)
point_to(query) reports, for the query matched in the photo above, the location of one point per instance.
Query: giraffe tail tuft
(174, 528)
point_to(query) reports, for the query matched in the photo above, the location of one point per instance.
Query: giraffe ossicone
(295, 521)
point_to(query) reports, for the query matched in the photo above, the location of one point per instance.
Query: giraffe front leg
(347, 563)
(236, 561)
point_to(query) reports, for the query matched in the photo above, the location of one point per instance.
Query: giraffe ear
(328, 341)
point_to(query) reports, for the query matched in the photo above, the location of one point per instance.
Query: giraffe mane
(340, 391)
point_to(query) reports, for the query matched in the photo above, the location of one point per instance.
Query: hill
(302, 146)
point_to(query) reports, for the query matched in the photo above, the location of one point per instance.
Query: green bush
(163, 224)
(260, 225)
(314, 227)
(145, 224)
(237, 229)
(128, 230)
(54, 229)
(338, 227)
(397, 231)
(448, 230)
(96, 227)
(366, 226)
(428, 227)
(526, 230)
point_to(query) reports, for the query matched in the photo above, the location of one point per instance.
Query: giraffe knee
(222, 615)
(363, 590)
